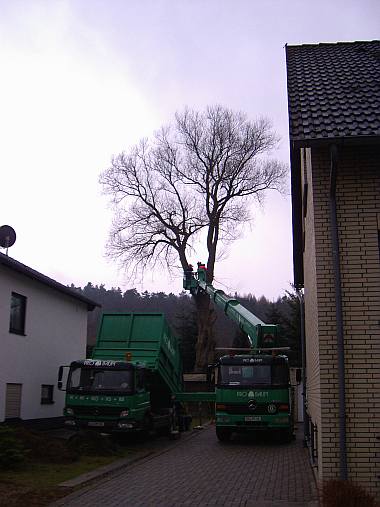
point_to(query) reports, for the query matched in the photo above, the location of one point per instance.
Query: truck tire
(223, 434)
(172, 430)
(146, 427)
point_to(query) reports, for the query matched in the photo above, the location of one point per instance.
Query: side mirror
(211, 376)
(60, 376)
(298, 375)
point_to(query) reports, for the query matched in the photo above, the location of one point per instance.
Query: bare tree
(197, 174)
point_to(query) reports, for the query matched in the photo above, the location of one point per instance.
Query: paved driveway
(200, 471)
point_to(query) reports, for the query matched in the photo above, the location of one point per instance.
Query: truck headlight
(69, 411)
(124, 413)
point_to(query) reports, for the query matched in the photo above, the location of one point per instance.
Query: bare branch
(198, 174)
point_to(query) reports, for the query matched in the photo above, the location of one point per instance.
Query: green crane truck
(252, 386)
(129, 382)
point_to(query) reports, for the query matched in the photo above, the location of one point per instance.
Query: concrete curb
(102, 471)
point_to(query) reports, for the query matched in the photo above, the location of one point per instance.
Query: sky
(82, 80)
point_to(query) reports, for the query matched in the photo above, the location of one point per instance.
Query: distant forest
(180, 313)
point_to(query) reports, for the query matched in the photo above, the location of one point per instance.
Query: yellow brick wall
(310, 296)
(358, 205)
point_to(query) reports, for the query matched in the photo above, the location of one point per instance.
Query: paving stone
(201, 471)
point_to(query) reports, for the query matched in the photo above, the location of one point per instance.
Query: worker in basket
(189, 273)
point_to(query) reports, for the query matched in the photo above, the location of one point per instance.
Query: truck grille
(97, 411)
(242, 408)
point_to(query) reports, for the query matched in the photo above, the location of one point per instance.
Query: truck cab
(253, 394)
(130, 381)
(106, 394)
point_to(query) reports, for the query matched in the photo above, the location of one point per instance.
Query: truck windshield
(254, 375)
(96, 379)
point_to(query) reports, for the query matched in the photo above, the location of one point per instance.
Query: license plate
(96, 423)
(252, 418)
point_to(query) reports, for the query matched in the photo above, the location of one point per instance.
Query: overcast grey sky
(82, 80)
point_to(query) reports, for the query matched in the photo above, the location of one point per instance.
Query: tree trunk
(205, 345)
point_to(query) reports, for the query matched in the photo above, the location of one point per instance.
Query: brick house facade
(334, 112)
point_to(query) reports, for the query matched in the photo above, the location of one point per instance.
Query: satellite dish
(7, 236)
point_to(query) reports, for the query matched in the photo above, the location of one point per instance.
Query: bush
(337, 493)
(43, 447)
(12, 451)
(20, 444)
(92, 443)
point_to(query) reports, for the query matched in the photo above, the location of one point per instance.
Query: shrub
(43, 447)
(92, 443)
(12, 451)
(337, 493)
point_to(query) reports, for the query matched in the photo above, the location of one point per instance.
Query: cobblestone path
(201, 471)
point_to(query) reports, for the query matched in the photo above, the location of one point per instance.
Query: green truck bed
(148, 338)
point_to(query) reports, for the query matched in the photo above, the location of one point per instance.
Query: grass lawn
(34, 482)
(48, 461)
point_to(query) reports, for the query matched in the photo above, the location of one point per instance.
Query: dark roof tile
(334, 87)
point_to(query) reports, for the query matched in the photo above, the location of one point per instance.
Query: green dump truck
(129, 382)
(252, 386)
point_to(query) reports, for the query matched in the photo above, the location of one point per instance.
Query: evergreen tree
(180, 312)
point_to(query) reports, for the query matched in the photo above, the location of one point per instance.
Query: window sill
(47, 402)
(14, 331)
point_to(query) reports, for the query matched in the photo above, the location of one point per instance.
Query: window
(255, 375)
(245, 375)
(47, 394)
(140, 380)
(18, 311)
(100, 379)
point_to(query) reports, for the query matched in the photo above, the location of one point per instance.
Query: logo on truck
(252, 394)
(169, 345)
(98, 362)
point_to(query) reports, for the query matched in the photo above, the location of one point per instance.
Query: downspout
(339, 313)
(306, 433)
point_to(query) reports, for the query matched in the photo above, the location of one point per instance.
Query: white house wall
(55, 334)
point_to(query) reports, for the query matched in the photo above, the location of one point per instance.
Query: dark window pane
(17, 317)
(254, 375)
(280, 375)
(245, 375)
(47, 394)
(88, 379)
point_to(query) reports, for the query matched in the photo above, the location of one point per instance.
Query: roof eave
(296, 143)
(296, 190)
(17, 266)
(295, 164)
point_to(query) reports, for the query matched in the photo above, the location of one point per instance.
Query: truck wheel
(146, 427)
(223, 434)
(172, 431)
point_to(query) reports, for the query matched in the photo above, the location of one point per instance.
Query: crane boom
(261, 335)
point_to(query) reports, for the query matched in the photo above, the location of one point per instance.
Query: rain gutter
(306, 433)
